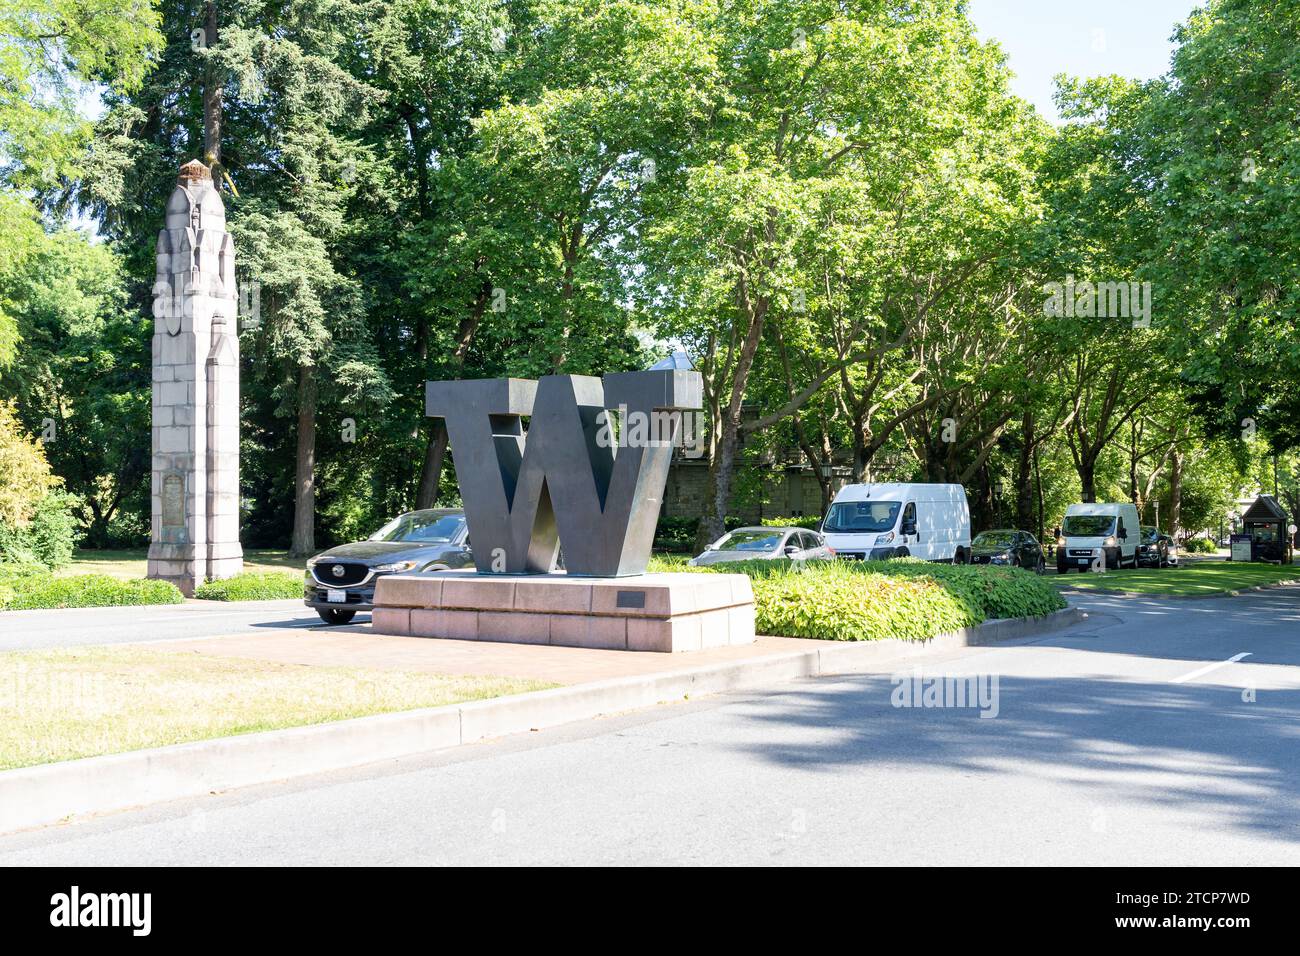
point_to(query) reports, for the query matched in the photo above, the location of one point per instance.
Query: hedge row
(253, 586)
(22, 589)
(879, 600)
(30, 586)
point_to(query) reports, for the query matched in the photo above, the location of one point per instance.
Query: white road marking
(1212, 667)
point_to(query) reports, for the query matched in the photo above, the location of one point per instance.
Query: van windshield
(846, 517)
(1088, 526)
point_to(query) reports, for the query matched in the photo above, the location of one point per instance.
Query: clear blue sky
(1079, 37)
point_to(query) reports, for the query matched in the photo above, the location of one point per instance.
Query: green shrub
(252, 586)
(48, 538)
(811, 522)
(998, 592)
(1200, 546)
(666, 563)
(843, 604)
(878, 600)
(30, 590)
(675, 534)
(53, 531)
(25, 476)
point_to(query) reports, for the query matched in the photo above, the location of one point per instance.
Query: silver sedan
(766, 544)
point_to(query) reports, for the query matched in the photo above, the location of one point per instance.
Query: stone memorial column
(195, 390)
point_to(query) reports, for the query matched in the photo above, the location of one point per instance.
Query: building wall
(787, 492)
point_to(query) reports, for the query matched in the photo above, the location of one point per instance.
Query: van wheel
(960, 556)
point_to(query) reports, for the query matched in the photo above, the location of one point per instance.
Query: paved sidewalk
(359, 647)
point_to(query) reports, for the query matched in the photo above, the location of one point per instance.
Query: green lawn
(82, 702)
(1201, 577)
(134, 563)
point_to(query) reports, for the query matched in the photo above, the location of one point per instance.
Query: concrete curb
(1107, 592)
(37, 796)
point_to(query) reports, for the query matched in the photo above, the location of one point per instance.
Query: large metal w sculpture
(588, 473)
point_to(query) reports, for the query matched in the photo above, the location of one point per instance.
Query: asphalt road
(26, 630)
(1129, 739)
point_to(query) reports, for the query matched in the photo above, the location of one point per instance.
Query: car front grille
(850, 555)
(339, 574)
(1081, 552)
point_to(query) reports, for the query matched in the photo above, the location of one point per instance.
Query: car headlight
(311, 562)
(395, 566)
(884, 538)
(1111, 542)
(1060, 542)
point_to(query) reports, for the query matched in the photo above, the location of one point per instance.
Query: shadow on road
(313, 623)
(1190, 747)
(1265, 623)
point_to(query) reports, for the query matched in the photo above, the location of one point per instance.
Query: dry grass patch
(69, 703)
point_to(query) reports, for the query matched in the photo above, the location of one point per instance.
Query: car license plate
(336, 597)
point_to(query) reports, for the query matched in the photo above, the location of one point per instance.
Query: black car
(1005, 546)
(341, 581)
(1154, 548)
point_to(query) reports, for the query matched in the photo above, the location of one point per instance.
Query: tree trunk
(1088, 479)
(984, 496)
(1175, 493)
(304, 503)
(213, 92)
(1024, 465)
(860, 459)
(815, 461)
(722, 466)
(1135, 492)
(722, 470)
(435, 452)
(1038, 484)
(431, 472)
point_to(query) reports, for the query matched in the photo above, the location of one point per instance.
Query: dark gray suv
(341, 581)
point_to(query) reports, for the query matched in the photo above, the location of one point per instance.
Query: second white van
(1099, 535)
(874, 521)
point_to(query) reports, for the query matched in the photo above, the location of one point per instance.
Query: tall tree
(52, 53)
(276, 101)
(825, 139)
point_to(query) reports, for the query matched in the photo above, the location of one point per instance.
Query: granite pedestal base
(187, 566)
(648, 612)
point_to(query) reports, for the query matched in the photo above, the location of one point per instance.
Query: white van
(1101, 534)
(875, 521)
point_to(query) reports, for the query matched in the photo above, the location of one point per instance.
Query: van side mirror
(1123, 531)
